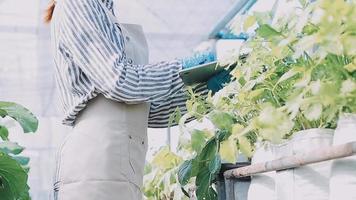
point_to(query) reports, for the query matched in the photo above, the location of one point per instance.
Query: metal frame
(240, 6)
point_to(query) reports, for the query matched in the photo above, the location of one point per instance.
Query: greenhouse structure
(241, 100)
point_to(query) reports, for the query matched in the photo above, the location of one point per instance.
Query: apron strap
(118, 24)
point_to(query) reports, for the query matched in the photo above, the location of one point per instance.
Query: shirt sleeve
(97, 46)
(161, 111)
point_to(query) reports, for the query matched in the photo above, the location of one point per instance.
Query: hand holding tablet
(203, 67)
(200, 73)
(199, 67)
(199, 58)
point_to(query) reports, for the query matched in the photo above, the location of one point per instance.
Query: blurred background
(173, 28)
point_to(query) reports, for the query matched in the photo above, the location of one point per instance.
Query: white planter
(343, 173)
(262, 185)
(310, 182)
(284, 187)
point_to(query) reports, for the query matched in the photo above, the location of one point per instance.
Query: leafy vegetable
(13, 178)
(165, 159)
(13, 168)
(4, 133)
(19, 113)
(184, 172)
(295, 74)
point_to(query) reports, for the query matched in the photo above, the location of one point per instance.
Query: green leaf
(215, 164)
(23, 161)
(222, 135)
(208, 151)
(221, 120)
(4, 133)
(250, 21)
(178, 115)
(203, 182)
(349, 44)
(288, 75)
(25, 195)
(165, 159)
(304, 3)
(27, 120)
(304, 81)
(237, 129)
(195, 167)
(255, 94)
(148, 168)
(273, 124)
(11, 148)
(2, 113)
(228, 150)
(351, 67)
(198, 140)
(13, 179)
(175, 117)
(313, 112)
(245, 146)
(267, 32)
(310, 29)
(185, 172)
(327, 93)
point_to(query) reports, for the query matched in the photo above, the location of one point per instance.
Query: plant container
(262, 185)
(343, 172)
(238, 188)
(310, 182)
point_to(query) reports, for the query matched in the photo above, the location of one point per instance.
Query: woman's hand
(218, 81)
(199, 58)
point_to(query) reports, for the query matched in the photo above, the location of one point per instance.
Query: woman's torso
(133, 118)
(136, 52)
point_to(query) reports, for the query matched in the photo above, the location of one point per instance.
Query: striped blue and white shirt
(89, 54)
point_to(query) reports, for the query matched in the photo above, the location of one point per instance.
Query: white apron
(103, 157)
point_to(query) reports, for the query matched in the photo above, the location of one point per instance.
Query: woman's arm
(162, 110)
(96, 45)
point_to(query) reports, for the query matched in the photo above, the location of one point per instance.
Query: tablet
(200, 73)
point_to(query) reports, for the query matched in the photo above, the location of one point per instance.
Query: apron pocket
(134, 162)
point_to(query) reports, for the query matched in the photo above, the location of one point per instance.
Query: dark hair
(49, 11)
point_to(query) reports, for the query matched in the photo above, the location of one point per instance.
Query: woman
(110, 95)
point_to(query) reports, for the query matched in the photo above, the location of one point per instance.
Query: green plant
(13, 167)
(161, 181)
(298, 73)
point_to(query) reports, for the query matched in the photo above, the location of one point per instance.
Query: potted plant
(296, 81)
(160, 181)
(14, 167)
